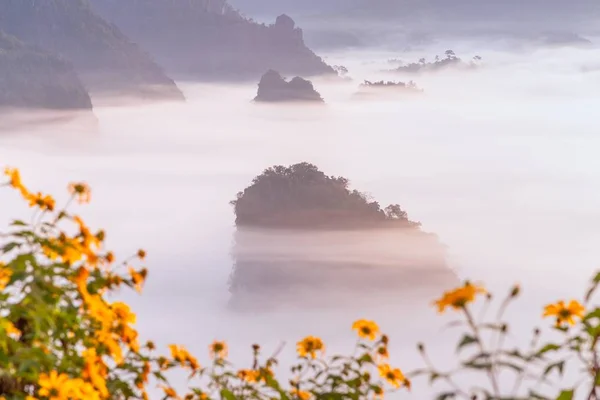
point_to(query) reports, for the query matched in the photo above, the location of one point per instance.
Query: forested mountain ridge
(210, 40)
(33, 78)
(104, 57)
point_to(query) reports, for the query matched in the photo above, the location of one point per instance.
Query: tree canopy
(302, 196)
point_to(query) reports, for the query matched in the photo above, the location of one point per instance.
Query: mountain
(304, 238)
(210, 40)
(338, 23)
(33, 78)
(102, 55)
(293, 7)
(301, 196)
(273, 88)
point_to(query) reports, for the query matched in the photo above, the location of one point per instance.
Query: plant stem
(595, 368)
(491, 370)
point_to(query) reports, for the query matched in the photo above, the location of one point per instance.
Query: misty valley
(292, 170)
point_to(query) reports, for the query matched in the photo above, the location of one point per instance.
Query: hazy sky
(501, 163)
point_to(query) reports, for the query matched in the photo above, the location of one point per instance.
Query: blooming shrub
(61, 338)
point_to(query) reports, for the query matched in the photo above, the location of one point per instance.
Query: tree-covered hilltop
(409, 86)
(273, 88)
(105, 59)
(209, 40)
(450, 60)
(33, 78)
(301, 196)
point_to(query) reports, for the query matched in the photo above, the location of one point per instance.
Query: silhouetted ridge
(33, 78)
(274, 88)
(301, 196)
(209, 40)
(104, 58)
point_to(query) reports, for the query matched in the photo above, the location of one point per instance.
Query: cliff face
(104, 58)
(209, 40)
(274, 89)
(33, 78)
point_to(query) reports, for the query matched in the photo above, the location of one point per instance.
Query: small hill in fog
(387, 89)
(33, 78)
(209, 40)
(104, 58)
(304, 238)
(273, 88)
(302, 196)
(450, 60)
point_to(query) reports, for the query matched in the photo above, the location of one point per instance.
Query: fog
(501, 163)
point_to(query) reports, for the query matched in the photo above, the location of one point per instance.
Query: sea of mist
(502, 163)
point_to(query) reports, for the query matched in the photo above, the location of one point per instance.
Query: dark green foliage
(104, 58)
(302, 196)
(32, 78)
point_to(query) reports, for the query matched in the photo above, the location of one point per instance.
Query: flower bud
(515, 291)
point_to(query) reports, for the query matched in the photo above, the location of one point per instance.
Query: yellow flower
(310, 345)
(170, 392)
(218, 349)
(68, 249)
(565, 313)
(109, 257)
(394, 376)
(15, 181)
(366, 329)
(44, 202)
(382, 353)
(53, 386)
(123, 313)
(180, 354)
(82, 191)
(90, 240)
(249, 375)
(137, 278)
(146, 372)
(11, 330)
(460, 297)
(5, 275)
(301, 394)
(95, 371)
(14, 175)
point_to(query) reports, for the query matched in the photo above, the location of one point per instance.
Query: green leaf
(465, 341)
(547, 348)
(8, 247)
(593, 331)
(18, 222)
(566, 395)
(592, 289)
(227, 395)
(595, 313)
